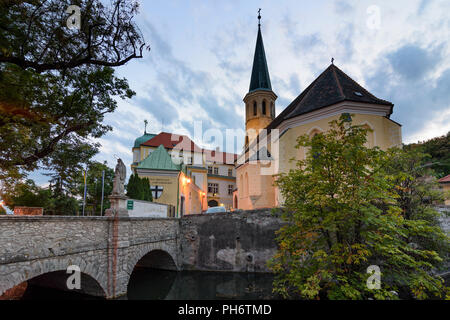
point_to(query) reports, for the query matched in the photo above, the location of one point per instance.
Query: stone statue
(119, 178)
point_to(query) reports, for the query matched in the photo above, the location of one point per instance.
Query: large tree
(56, 83)
(342, 217)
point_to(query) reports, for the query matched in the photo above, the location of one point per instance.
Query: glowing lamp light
(188, 180)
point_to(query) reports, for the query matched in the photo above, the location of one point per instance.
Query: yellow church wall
(170, 187)
(261, 192)
(174, 188)
(255, 190)
(385, 134)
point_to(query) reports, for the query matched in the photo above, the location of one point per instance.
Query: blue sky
(202, 51)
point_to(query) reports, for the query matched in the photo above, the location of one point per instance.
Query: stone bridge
(106, 250)
(38, 250)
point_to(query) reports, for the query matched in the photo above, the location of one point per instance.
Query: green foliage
(343, 215)
(57, 84)
(94, 187)
(64, 195)
(26, 194)
(417, 191)
(438, 150)
(139, 188)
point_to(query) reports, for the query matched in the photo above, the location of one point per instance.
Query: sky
(199, 65)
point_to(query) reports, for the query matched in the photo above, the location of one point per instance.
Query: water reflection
(151, 284)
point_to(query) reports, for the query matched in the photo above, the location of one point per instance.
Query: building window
(255, 108)
(216, 170)
(230, 172)
(190, 160)
(272, 110)
(157, 191)
(209, 170)
(213, 188)
(264, 107)
(230, 189)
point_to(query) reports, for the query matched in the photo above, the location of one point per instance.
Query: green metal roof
(260, 79)
(142, 139)
(159, 159)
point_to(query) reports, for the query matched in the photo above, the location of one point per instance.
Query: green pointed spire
(260, 79)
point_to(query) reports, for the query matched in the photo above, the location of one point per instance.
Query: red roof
(182, 142)
(170, 141)
(445, 179)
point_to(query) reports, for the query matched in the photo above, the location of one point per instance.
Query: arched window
(255, 108)
(264, 107)
(272, 110)
(314, 133)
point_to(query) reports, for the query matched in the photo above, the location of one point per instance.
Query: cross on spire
(332, 60)
(259, 17)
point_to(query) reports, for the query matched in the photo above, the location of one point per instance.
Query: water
(152, 284)
(192, 285)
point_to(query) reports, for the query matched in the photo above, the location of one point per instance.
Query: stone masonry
(105, 248)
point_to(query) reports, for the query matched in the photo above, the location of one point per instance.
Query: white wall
(148, 209)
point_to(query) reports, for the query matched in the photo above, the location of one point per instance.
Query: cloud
(343, 7)
(423, 6)
(406, 76)
(413, 62)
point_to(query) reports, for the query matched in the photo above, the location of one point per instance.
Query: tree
(94, 186)
(417, 191)
(139, 188)
(342, 217)
(56, 83)
(438, 150)
(26, 193)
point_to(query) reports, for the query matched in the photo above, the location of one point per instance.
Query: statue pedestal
(118, 206)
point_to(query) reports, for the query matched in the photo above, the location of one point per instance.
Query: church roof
(260, 79)
(171, 140)
(159, 160)
(142, 139)
(331, 86)
(184, 143)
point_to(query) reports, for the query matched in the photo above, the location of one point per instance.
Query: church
(191, 179)
(331, 94)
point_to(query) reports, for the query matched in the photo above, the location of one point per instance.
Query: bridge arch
(150, 254)
(92, 280)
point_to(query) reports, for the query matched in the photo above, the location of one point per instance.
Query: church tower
(260, 100)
